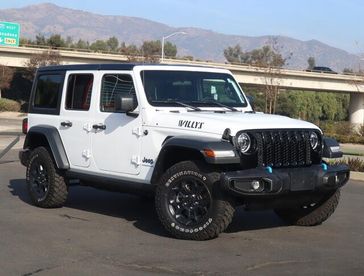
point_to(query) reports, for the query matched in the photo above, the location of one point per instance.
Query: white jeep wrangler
(186, 134)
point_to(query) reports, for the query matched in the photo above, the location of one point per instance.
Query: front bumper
(267, 181)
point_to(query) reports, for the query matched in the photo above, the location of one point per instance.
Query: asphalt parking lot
(103, 233)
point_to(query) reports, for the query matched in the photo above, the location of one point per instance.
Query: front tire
(190, 204)
(46, 186)
(311, 214)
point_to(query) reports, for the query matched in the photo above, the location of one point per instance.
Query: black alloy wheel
(46, 184)
(189, 201)
(38, 179)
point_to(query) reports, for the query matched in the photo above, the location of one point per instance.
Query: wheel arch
(48, 136)
(178, 149)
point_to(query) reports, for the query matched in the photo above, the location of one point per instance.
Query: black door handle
(99, 126)
(66, 124)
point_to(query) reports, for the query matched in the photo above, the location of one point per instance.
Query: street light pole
(166, 37)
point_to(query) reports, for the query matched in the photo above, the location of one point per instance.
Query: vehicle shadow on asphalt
(135, 209)
(254, 220)
(140, 210)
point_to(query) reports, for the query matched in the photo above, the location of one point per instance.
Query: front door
(116, 137)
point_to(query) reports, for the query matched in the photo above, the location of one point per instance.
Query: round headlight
(314, 140)
(244, 142)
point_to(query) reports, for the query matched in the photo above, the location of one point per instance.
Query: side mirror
(251, 101)
(125, 103)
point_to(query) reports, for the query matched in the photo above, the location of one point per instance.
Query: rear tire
(311, 214)
(190, 204)
(46, 186)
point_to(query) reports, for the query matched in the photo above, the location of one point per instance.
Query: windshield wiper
(180, 103)
(219, 104)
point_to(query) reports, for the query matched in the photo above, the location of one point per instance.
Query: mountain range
(202, 44)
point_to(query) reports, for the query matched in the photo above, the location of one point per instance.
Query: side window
(114, 84)
(47, 91)
(79, 89)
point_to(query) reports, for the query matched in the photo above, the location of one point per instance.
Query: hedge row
(343, 132)
(353, 139)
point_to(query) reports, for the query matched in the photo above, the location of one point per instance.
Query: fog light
(256, 185)
(341, 178)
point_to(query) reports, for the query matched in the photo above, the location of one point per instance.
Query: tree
(348, 71)
(99, 46)
(311, 63)
(81, 44)
(25, 41)
(131, 51)
(270, 60)
(112, 44)
(6, 76)
(40, 40)
(170, 50)
(313, 106)
(263, 57)
(151, 50)
(69, 42)
(233, 54)
(45, 58)
(56, 41)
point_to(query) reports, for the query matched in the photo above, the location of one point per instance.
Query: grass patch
(9, 105)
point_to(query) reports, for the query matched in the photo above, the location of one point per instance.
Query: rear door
(75, 127)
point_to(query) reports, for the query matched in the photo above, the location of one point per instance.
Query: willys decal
(190, 124)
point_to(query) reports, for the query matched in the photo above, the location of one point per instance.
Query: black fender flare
(200, 144)
(331, 148)
(197, 144)
(54, 140)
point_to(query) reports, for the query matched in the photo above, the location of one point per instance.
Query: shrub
(353, 139)
(9, 105)
(361, 130)
(338, 128)
(343, 132)
(355, 164)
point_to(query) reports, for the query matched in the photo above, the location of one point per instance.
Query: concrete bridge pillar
(356, 108)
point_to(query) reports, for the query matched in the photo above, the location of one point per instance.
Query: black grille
(283, 148)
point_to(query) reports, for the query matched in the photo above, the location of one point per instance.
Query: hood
(216, 123)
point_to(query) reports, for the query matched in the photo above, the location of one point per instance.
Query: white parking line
(9, 147)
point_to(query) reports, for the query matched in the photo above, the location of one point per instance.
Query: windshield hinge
(135, 159)
(138, 131)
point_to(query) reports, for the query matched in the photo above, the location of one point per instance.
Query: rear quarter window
(47, 93)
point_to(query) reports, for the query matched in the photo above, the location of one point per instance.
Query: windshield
(204, 89)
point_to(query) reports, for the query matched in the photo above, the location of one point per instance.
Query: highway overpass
(245, 74)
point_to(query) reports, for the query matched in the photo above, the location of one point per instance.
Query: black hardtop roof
(106, 66)
(74, 67)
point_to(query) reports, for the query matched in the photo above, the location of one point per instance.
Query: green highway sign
(9, 34)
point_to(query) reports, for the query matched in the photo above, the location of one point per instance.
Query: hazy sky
(339, 23)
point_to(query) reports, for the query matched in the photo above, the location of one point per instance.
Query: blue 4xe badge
(190, 124)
